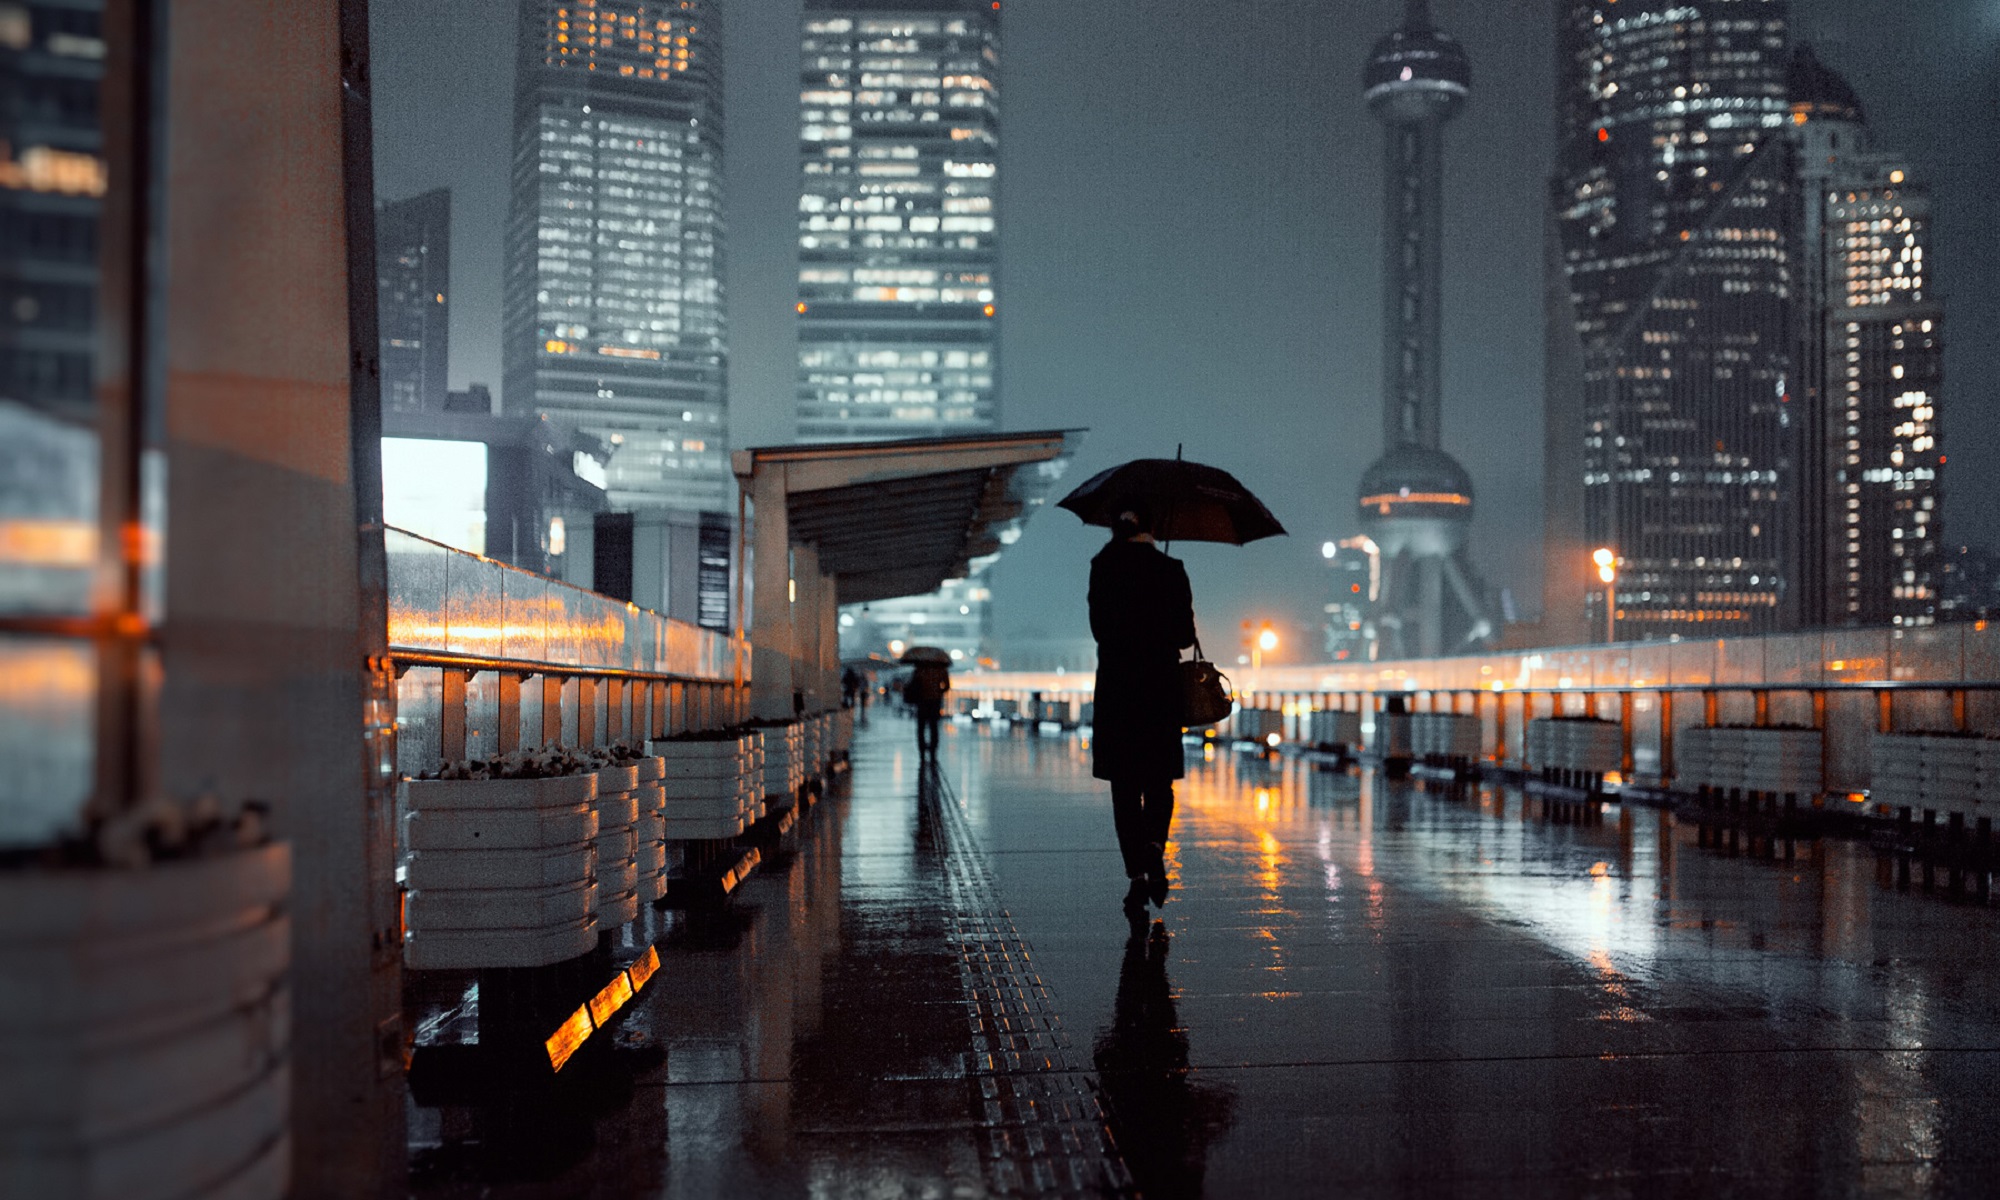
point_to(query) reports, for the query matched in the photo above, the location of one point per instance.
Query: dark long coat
(1142, 614)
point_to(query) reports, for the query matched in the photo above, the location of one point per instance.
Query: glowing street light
(1607, 572)
(1267, 641)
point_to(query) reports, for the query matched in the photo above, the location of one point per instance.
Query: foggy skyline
(1192, 249)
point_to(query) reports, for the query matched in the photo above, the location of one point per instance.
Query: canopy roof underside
(899, 518)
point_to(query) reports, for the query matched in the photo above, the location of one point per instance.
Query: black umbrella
(1189, 502)
(933, 655)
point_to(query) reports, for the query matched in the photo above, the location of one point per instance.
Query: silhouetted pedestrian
(850, 687)
(925, 693)
(1142, 614)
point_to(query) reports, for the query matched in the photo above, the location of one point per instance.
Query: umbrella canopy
(1189, 502)
(927, 654)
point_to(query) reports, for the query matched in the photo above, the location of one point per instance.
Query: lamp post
(1607, 571)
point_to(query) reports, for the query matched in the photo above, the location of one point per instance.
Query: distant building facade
(898, 298)
(614, 319)
(1872, 365)
(413, 289)
(1673, 206)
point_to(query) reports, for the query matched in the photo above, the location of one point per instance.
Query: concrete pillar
(1667, 771)
(772, 635)
(276, 686)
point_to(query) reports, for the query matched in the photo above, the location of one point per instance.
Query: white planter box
(617, 811)
(617, 845)
(648, 770)
(677, 791)
(464, 949)
(651, 797)
(652, 858)
(619, 910)
(652, 887)
(611, 780)
(501, 908)
(673, 752)
(615, 878)
(693, 829)
(708, 808)
(144, 1048)
(500, 829)
(548, 866)
(564, 791)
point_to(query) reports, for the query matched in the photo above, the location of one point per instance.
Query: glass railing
(446, 602)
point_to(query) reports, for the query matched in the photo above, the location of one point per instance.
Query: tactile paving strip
(1045, 1131)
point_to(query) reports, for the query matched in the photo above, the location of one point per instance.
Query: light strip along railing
(469, 635)
(1851, 684)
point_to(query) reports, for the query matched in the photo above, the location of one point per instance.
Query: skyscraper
(614, 297)
(899, 250)
(413, 279)
(1416, 500)
(1673, 202)
(1871, 365)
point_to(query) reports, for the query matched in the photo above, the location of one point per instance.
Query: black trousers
(929, 714)
(1143, 813)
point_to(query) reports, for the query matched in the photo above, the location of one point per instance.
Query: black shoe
(1156, 888)
(1135, 900)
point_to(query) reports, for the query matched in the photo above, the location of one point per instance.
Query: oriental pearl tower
(1416, 500)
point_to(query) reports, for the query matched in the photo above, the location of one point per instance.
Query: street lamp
(1267, 641)
(1607, 571)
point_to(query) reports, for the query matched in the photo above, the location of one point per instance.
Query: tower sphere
(1418, 499)
(1417, 73)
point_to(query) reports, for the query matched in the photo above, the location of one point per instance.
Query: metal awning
(899, 518)
(855, 522)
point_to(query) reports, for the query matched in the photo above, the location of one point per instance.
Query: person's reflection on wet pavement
(1161, 1120)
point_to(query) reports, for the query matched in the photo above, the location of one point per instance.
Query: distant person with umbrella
(1142, 615)
(930, 679)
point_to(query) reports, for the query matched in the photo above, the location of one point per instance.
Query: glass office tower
(614, 317)
(899, 253)
(413, 282)
(1674, 205)
(1873, 363)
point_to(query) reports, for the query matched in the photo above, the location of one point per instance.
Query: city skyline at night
(898, 245)
(1872, 366)
(1150, 261)
(412, 310)
(615, 319)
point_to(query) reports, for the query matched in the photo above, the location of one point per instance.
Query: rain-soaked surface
(1358, 987)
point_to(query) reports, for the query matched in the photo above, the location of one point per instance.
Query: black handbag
(1205, 697)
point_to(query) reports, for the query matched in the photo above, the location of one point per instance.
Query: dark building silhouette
(1674, 203)
(1416, 500)
(614, 318)
(413, 307)
(1871, 367)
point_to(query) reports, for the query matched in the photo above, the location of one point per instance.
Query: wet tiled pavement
(1358, 988)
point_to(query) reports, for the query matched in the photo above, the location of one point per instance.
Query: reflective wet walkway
(1357, 988)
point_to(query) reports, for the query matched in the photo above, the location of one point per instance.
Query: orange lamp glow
(569, 1037)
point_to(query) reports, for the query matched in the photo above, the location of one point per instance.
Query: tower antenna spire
(1417, 14)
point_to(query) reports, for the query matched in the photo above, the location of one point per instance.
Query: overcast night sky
(1190, 217)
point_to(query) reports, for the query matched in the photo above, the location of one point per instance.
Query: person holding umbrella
(1142, 615)
(930, 679)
